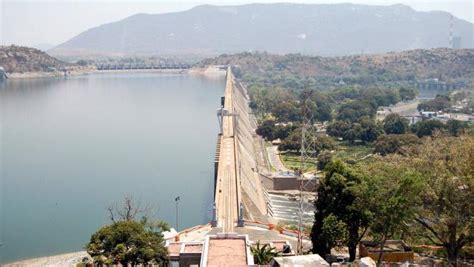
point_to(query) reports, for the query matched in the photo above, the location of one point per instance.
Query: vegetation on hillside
(426, 194)
(298, 72)
(25, 59)
(345, 94)
(417, 184)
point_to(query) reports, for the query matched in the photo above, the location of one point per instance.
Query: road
(228, 187)
(274, 158)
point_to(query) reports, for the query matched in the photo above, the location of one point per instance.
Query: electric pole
(177, 199)
(307, 155)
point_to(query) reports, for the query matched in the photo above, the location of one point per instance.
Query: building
(205, 245)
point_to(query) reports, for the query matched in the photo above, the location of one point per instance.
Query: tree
(334, 231)
(391, 193)
(353, 111)
(292, 142)
(407, 93)
(283, 131)
(365, 130)
(377, 97)
(446, 216)
(353, 133)
(322, 110)
(337, 128)
(395, 143)
(263, 254)
(427, 128)
(439, 103)
(324, 159)
(266, 129)
(127, 211)
(126, 240)
(370, 130)
(455, 127)
(336, 197)
(395, 124)
(317, 144)
(286, 111)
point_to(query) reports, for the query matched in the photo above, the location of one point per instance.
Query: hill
(322, 29)
(21, 59)
(291, 71)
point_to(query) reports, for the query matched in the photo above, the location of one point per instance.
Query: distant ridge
(329, 29)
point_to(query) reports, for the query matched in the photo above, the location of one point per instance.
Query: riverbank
(76, 71)
(211, 71)
(67, 259)
(164, 71)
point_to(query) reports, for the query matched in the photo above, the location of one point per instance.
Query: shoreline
(210, 71)
(65, 259)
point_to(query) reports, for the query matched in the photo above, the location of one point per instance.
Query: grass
(348, 152)
(344, 151)
(292, 161)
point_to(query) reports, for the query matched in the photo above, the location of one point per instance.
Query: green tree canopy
(427, 128)
(395, 143)
(390, 192)
(395, 124)
(439, 103)
(127, 242)
(354, 110)
(446, 216)
(455, 127)
(407, 93)
(336, 197)
(324, 158)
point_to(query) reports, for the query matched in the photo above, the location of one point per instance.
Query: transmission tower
(308, 152)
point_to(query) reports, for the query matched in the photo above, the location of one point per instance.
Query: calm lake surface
(72, 146)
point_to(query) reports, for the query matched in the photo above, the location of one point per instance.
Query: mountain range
(316, 29)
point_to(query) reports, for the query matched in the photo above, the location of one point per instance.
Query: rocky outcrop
(19, 59)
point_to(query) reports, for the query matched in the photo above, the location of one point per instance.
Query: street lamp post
(177, 199)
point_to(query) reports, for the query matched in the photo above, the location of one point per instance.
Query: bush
(394, 143)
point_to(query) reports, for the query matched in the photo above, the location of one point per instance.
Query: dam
(238, 190)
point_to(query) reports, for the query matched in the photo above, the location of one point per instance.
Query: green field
(292, 161)
(347, 152)
(344, 152)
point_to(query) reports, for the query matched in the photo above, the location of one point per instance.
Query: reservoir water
(70, 147)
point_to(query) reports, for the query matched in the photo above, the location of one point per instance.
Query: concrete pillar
(214, 216)
(240, 223)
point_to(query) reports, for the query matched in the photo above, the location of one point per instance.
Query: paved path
(238, 181)
(227, 189)
(274, 158)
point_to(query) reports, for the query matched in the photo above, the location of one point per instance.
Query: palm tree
(263, 254)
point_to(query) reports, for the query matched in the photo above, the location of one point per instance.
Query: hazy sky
(33, 22)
